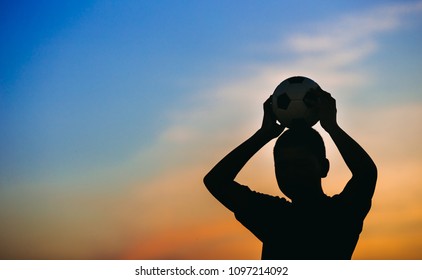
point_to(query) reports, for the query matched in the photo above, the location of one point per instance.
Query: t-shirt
(327, 229)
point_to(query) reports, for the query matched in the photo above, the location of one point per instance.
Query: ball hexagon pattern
(294, 102)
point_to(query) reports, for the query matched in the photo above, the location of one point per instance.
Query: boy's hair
(302, 137)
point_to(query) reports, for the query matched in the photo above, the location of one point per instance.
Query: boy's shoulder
(260, 201)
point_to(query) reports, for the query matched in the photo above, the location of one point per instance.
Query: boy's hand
(327, 110)
(270, 127)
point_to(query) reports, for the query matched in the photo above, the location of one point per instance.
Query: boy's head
(300, 162)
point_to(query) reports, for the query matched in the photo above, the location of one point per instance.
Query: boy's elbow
(371, 175)
(369, 171)
(207, 180)
(366, 173)
(214, 183)
(373, 171)
(210, 181)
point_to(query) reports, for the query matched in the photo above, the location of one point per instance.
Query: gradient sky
(111, 113)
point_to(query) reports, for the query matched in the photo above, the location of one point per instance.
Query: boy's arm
(364, 172)
(223, 174)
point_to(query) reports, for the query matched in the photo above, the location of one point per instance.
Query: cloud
(353, 29)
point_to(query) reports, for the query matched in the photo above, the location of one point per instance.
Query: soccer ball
(294, 102)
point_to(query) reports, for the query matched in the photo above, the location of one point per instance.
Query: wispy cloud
(332, 50)
(352, 30)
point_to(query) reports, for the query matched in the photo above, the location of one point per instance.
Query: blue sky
(100, 96)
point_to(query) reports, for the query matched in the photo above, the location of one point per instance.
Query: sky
(111, 113)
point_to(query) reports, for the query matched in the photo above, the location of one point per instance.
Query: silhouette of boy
(313, 225)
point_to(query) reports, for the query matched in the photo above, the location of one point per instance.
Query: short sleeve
(256, 211)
